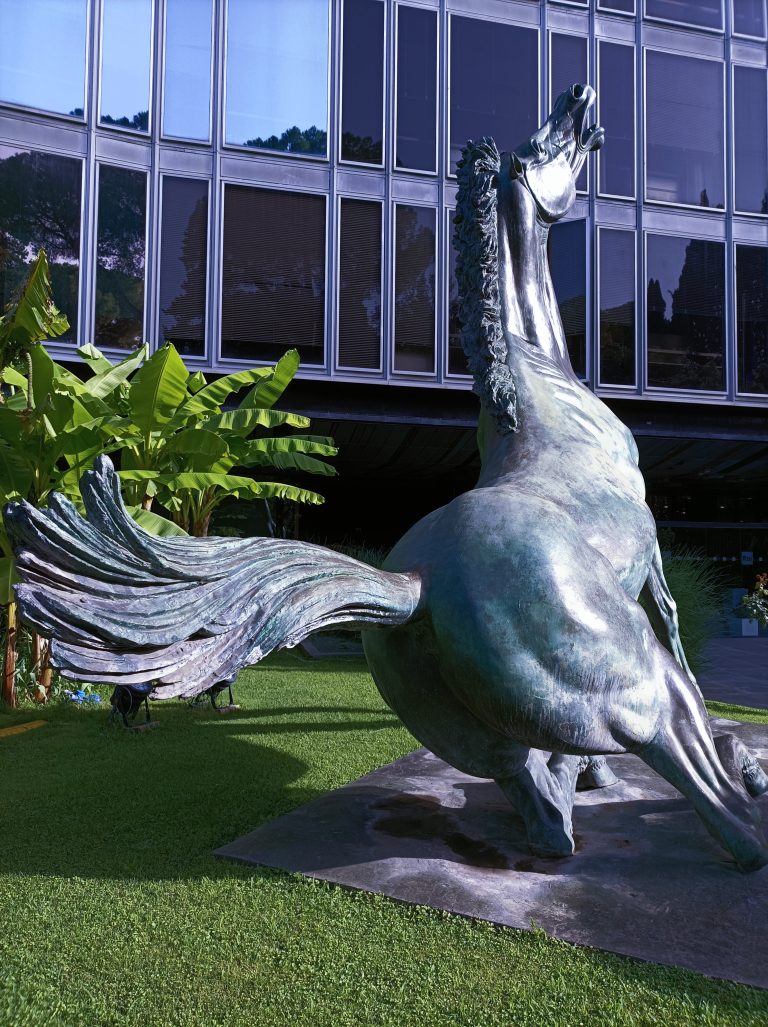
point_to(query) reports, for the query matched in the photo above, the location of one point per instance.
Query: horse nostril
(577, 92)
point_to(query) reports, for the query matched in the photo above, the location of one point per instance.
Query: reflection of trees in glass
(139, 121)
(752, 317)
(120, 257)
(617, 344)
(294, 140)
(414, 288)
(182, 306)
(40, 208)
(364, 149)
(686, 349)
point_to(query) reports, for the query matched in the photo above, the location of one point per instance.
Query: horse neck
(528, 304)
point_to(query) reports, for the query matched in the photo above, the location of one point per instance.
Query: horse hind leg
(542, 793)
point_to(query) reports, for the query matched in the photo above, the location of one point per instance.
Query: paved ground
(737, 671)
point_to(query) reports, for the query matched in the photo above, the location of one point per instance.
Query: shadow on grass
(88, 799)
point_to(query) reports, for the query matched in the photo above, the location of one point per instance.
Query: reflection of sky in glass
(277, 67)
(186, 104)
(37, 31)
(125, 58)
(666, 256)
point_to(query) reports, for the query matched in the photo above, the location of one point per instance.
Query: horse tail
(477, 274)
(125, 607)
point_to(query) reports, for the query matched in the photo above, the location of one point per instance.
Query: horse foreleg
(542, 792)
(663, 611)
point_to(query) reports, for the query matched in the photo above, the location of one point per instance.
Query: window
(414, 315)
(567, 253)
(749, 18)
(707, 14)
(126, 58)
(457, 360)
(360, 285)
(277, 75)
(568, 67)
(684, 130)
(493, 83)
(617, 306)
(120, 246)
(362, 94)
(416, 139)
(183, 263)
(187, 72)
(42, 54)
(750, 130)
(685, 312)
(616, 100)
(40, 207)
(273, 278)
(752, 318)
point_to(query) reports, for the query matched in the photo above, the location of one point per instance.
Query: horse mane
(477, 272)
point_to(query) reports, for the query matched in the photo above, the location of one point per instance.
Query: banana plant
(182, 446)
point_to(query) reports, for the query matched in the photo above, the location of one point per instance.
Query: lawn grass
(113, 910)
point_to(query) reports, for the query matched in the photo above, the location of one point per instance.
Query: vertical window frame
(336, 364)
(668, 203)
(438, 44)
(762, 68)
(385, 76)
(278, 154)
(393, 372)
(162, 134)
(205, 356)
(137, 133)
(599, 383)
(99, 164)
(600, 193)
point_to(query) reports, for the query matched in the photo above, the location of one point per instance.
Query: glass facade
(241, 176)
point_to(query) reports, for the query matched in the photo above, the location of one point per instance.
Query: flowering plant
(755, 604)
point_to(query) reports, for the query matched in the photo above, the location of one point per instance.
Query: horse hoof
(596, 774)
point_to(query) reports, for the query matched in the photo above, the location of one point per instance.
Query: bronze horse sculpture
(505, 630)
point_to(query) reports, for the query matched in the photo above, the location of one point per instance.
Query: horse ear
(515, 166)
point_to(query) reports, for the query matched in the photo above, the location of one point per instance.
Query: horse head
(548, 164)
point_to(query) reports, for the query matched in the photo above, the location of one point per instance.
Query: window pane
(120, 245)
(616, 97)
(749, 17)
(617, 307)
(457, 361)
(183, 263)
(752, 317)
(706, 13)
(40, 207)
(273, 293)
(684, 125)
(567, 252)
(750, 129)
(686, 330)
(126, 49)
(277, 75)
(187, 97)
(360, 284)
(414, 288)
(362, 93)
(568, 67)
(494, 83)
(625, 6)
(32, 31)
(416, 141)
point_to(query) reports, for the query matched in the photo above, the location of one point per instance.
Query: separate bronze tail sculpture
(505, 630)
